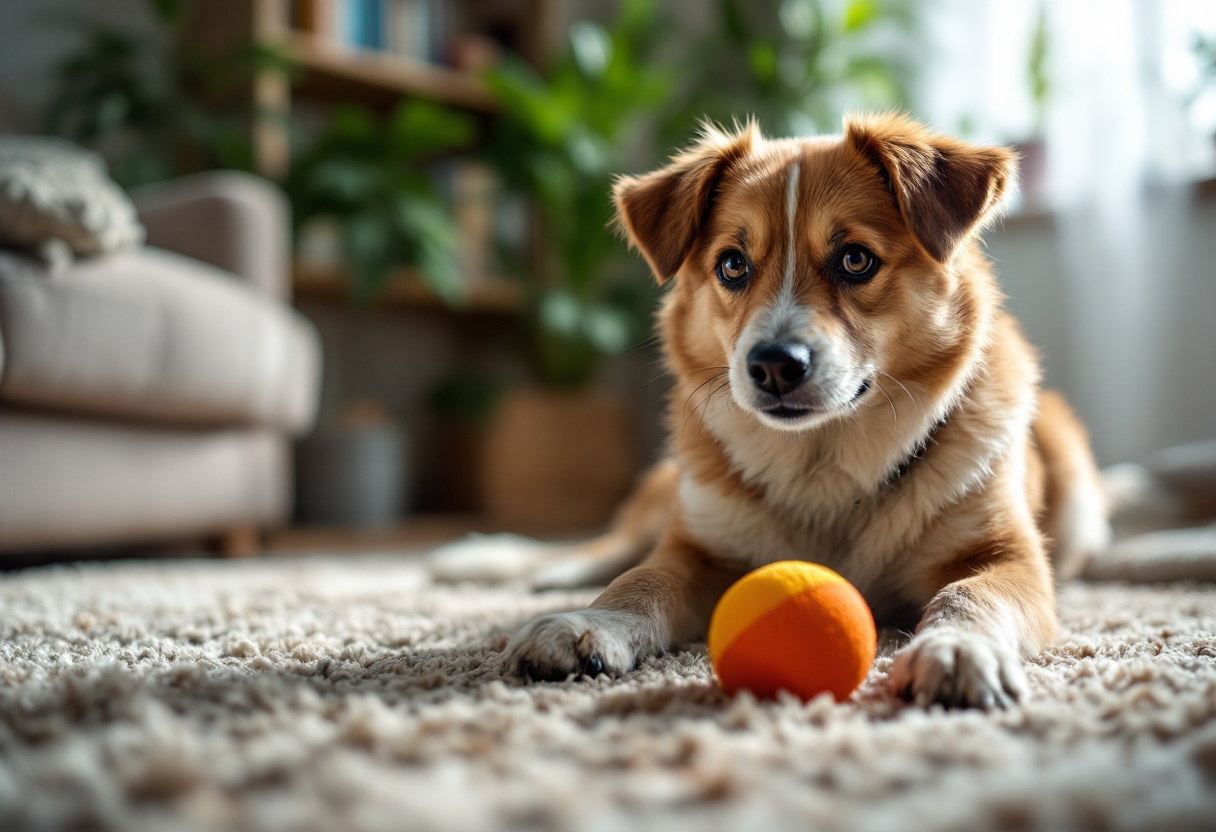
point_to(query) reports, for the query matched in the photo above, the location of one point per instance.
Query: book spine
(408, 28)
(363, 23)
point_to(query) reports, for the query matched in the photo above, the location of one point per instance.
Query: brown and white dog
(847, 391)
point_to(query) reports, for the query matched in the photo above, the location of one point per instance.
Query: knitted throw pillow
(54, 195)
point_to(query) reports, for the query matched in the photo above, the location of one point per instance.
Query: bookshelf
(329, 68)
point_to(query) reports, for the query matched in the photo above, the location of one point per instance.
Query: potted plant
(559, 453)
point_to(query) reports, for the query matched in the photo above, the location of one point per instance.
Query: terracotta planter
(558, 461)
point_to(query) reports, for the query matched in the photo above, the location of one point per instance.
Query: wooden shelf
(334, 71)
(495, 295)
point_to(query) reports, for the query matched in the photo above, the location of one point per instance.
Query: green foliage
(560, 141)
(1040, 86)
(365, 174)
(795, 64)
(1205, 50)
(155, 108)
(467, 397)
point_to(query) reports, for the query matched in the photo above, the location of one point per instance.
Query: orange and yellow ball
(792, 626)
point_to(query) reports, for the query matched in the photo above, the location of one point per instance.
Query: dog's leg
(968, 649)
(665, 601)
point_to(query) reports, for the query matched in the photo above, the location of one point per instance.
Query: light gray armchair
(152, 394)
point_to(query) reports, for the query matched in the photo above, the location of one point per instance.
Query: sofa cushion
(156, 336)
(69, 481)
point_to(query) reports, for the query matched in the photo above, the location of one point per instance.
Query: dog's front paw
(588, 642)
(958, 669)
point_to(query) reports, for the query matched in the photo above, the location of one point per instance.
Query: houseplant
(366, 176)
(561, 138)
(154, 105)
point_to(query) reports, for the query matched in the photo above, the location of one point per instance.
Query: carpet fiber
(350, 693)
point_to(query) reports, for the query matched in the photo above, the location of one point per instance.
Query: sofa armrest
(236, 221)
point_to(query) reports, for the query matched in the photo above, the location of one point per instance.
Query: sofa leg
(241, 541)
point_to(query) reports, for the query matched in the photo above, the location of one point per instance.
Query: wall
(1124, 314)
(35, 35)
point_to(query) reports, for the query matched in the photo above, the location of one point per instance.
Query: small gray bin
(352, 475)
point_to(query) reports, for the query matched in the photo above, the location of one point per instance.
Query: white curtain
(1128, 331)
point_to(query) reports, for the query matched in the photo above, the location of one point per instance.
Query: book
(362, 23)
(408, 28)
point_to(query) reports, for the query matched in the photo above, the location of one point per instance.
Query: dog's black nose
(778, 368)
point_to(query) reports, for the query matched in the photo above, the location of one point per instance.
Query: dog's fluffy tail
(635, 530)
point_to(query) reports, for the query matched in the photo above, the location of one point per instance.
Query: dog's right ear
(661, 212)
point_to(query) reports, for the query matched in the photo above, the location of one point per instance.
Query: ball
(792, 626)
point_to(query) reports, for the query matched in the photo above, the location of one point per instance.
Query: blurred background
(433, 179)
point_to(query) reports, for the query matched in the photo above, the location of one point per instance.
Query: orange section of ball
(810, 632)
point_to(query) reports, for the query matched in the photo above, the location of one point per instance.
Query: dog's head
(811, 269)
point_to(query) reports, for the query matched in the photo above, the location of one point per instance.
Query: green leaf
(592, 47)
(798, 18)
(169, 11)
(608, 328)
(440, 270)
(762, 60)
(561, 313)
(420, 128)
(732, 22)
(859, 15)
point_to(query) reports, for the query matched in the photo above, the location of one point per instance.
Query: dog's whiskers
(911, 397)
(705, 406)
(709, 380)
(894, 412)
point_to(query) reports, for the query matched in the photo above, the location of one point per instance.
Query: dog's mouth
(790, 412)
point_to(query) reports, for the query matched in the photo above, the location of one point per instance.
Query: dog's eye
(733, 269)
(858, 262)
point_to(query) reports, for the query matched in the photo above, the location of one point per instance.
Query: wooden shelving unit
(486, 295)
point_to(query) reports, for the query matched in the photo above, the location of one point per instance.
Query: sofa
(152, 394)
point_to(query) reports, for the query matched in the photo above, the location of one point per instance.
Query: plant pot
(351, 475)
(558, 461)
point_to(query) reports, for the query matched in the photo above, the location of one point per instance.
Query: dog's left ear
(944, 187)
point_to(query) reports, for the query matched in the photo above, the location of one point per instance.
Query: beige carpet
(349, 693)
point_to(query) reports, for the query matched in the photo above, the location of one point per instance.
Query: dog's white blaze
(791, 212)
(785, 316)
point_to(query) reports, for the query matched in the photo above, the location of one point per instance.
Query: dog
(847, 391)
